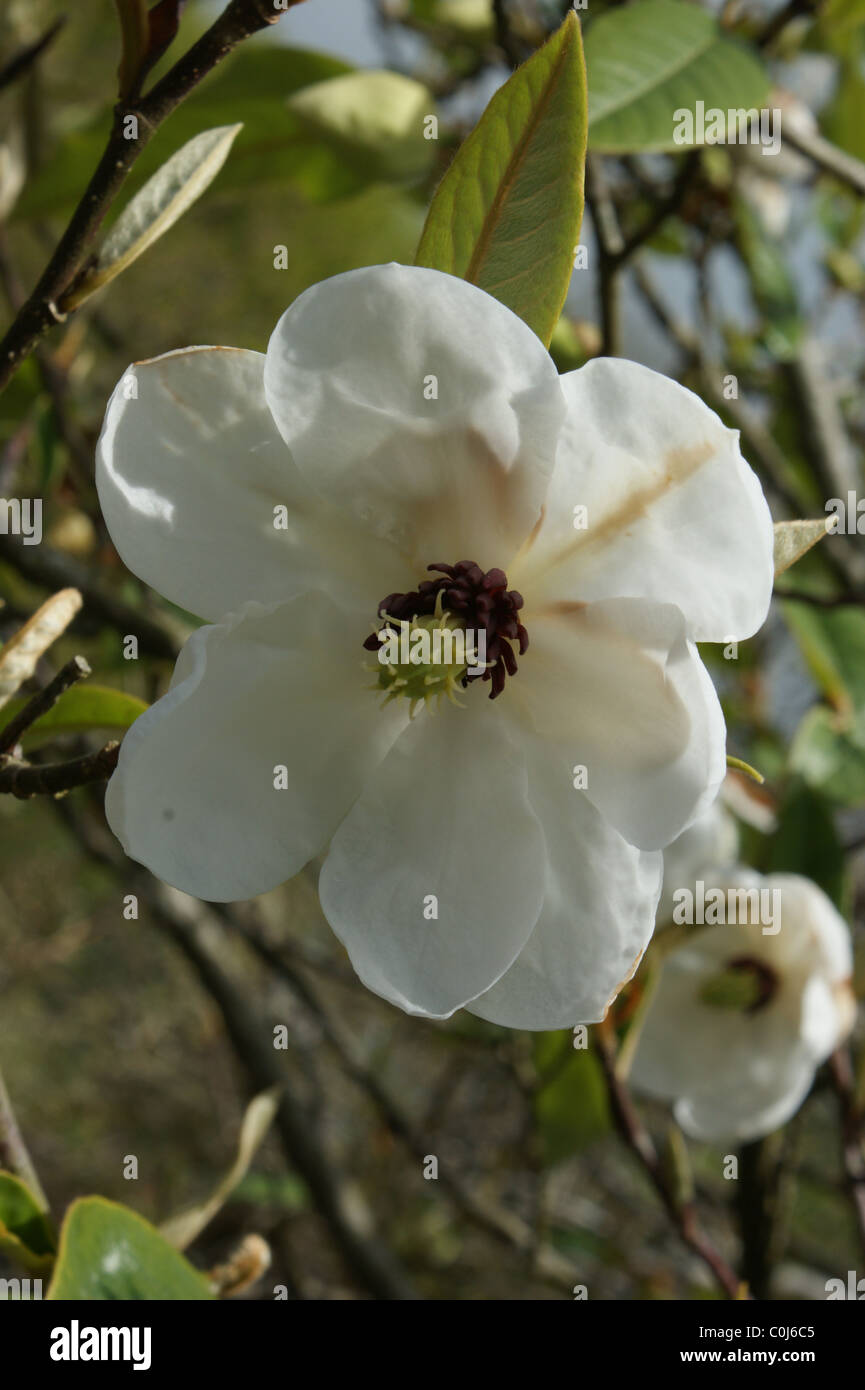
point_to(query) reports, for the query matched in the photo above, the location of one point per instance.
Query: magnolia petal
(190, 467)
(597, 918)
(623, 693)
(673, 511)
(194, 795)
(710, 844)
(461, 475)
(759, 1101)
(446, 821)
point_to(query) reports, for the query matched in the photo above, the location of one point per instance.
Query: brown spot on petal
(679, 466)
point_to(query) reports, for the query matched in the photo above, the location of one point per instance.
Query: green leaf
(793, 539)
(832, 641)
(157, 206)
(841, 120)
(109, 1252)
(81, 710)
(251, 88)
(571, 1107)
(376, 117)
(506, 216)
(26, 1235)
(806, 841)
(647, 61)
(827, 756)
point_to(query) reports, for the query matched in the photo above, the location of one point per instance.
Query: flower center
(451, 630)
(745, 984)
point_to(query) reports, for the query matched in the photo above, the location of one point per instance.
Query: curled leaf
(794, 538)
(156, 207)
(20, 656)
(182, 1229)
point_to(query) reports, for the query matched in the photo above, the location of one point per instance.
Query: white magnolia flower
(426, 451)
(744, 1012)
(709, 846)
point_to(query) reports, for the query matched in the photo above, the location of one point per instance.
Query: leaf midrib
(509, 177)
(655, 81)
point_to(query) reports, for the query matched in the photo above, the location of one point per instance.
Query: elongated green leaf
(80, 710)
(647, 61)
(109, 1252)
(25, 1231)
(506, 215)
(251, 87)
(793, 539)
(157, 206)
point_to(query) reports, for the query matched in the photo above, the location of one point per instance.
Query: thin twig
(23, 780)
(14, 1157)
(44, 700)
(196, 930)
(25, 57)
(610, 247)
(505, 37)
(44, 309)
(852, 1131)
(505, 1226)
(683, 1214)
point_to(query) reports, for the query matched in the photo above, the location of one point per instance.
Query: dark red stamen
(480, 601)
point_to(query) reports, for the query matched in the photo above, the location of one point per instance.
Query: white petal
(193, 796)
(706, 848)
(674, 513)
(190, 467)
(460, 476)
(598, 914)
(733, 1075)
(445, 817)
(757, 1101)
(623, 692)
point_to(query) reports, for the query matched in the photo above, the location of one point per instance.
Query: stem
(44, 308)
(639, 1141)
(24, 780)
(757, 1201)
(852, 1138)
(13, 1151)
(44, 700)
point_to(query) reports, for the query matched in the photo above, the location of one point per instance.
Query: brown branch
(505, 37)
(23, 780)
(668, 206)
(852, 1131)
(610, 247)
(44, 700)
(487, 1215)
(683, 1214)
(25, 57)
(44, 309)
(196, 930)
